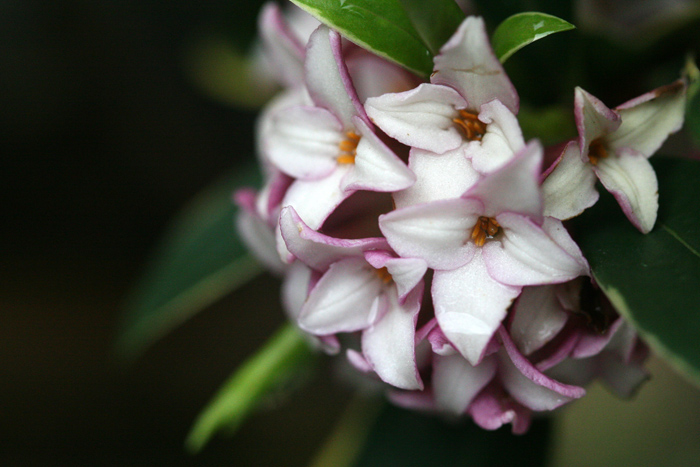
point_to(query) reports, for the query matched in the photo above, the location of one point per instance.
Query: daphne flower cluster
(413, 223)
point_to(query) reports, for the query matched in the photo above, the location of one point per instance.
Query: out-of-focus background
(105, 137)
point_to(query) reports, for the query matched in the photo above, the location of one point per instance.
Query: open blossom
(614, 145)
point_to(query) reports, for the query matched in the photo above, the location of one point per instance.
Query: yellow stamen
(384, 275)
(597, 151)
(485, 228)
(473, 128)
(348, 148)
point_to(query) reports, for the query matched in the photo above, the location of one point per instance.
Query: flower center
(486, 227)
(597, 151)
(384, 275)
(473, 128)
(348, 148)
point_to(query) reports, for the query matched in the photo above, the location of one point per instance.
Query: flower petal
(436, 232)
(456, 382)
(406, 273)
(327, 77)
(467, 63)
(470, 305)
(492, 409)
(295, 288)
(303, 142)
(421, 117)
(528, 385)
(569, 189)
(528, 254)
(319, 251)
(344, 300)
(374, 76)
(650, 118)
(376, 167)
(389, 344)
(286, 53)
(537, 318)
(632, 181)
(593, 119)
(503, 138)
(514, 187)
(442, 176)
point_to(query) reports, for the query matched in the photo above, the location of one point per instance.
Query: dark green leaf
(522, 29)
(383, 27)
(654, 279)
(199, 261)
(269, 368)
(412, 439)
(436, 23)
(692, 109)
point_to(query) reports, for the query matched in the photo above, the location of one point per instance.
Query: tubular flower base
(415, 220)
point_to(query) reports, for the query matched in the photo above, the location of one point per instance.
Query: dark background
(103, 140)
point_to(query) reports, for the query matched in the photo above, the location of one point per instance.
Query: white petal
(569, 189)
(421, 117)
(593, 119)
(374, 76)
(260, 238)
(327, 77)
(376, 167)
(406, 273)
(531, 255)
(456, 382)
(286, 53)
(502, 140)
(649, 119)
(514, 187)
(538, 317)
(344, 300)
(295, 288)
(470, 305)
(442, 176)
(303, 142)
(467, 63)
(437, 232)
(632, 181)
(389, 344)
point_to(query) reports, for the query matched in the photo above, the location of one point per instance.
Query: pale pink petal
(317, 250)
(295, 288)
(406, 273)
(537, 318)
(358, 361)
(590, 344)
(327, 77)
(437, 232)
(593, 119)
(632, 181)
(442, 176)
(285, 51)
(376, 166)
(467, 63)
(528, 385)
(264, 125)
(374, 76)
(503, 138)
(389, 344)
(421, 117)
(470, 305)
(259, 237)
(578, 372)
(439, 343)
(413, 400)
(621, 377)
(314, 201)
(456, 382)
(528, 254)
(344, 300)
(492, 409)
(649, 119)
(569, 189)
(303, 142)
(513, 187)
(271, 195)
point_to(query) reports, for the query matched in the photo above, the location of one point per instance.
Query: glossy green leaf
(269, 368)
(412, 439)
(383, 27)
(522, 29)
(199, 261)
(434, 24)
(654, 279)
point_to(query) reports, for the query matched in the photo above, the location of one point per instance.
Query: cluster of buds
(412, 222)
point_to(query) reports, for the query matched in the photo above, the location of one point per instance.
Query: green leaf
(269, 368)
(692, 108)
(435, 24)
(383, 27)
(653, 280)
(199, 261)
(522, 29)
(411, 439)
